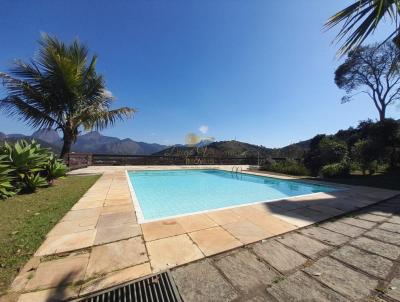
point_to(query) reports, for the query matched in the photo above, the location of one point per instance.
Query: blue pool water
(175, 192)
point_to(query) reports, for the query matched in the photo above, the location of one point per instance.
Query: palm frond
(104, 118)
(360, 19)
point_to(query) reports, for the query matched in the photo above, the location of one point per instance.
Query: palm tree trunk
(67, 145)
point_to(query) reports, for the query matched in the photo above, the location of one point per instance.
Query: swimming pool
(168, 193)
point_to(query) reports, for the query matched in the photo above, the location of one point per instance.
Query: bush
(341, 169)
(290, 167)
(6, 187)
(26, 167)
(324, 150)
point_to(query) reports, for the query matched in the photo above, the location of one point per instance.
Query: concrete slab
(245, 271)
(386, 236)
(343, 228)
(372, 264)
(304, 245)
(202, 282)
(300, 287)
(358, 222)
(325, 235)
(342, 279)
(377, 247)
(279, 256)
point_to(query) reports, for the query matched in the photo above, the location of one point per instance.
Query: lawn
(26, 219)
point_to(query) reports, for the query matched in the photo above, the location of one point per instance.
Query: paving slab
(272, 224)
(392, 227)
(342, 279)
(202, 282)
(303, 244)
(245, 271)
(372, 264)
(371, 217)
(325, 235)
(82, 214)
(394, 219)
(394, 289)
(161, 229)
(193, 223)
(300, 287)
(68, 227)
(343, 228)
(66, 243)
(116, 233)
(224, 216)
(115, 278)
(358, 222)
(377, 247)
(56, 273)
(246, 232)
(115, 219)
(214, 240)
(280, 257)
(117, 255)
(50, 295)
(386, 236)
(172, 251)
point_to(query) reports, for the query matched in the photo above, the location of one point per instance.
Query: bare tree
(373, 70)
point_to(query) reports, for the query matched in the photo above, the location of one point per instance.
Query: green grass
(26, 219)
(388, 180)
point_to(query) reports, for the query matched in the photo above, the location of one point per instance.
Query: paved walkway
(353, 258)
(100, 243)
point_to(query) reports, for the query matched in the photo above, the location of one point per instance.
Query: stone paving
(100, 243)
(353, 258)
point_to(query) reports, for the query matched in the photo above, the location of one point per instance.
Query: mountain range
(94, 142)
(91, 142)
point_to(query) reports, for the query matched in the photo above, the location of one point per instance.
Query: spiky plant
(361, 18)
(60, 88)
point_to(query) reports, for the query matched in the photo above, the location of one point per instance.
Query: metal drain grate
(159, 287)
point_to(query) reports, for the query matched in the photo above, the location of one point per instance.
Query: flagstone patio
(99, 243)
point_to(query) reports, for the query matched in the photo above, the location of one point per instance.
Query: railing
(79, 160)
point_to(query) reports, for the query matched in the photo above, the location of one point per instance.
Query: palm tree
(361, 18)
(60, 89)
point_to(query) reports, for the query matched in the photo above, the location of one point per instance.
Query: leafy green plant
(32, 181)
(341, 169)
(55, 168)
(290, 167)
(6, 187)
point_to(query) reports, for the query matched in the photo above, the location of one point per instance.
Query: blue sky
(258, 71)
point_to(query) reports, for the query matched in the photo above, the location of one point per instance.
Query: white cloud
(203, 129)
(108, 94)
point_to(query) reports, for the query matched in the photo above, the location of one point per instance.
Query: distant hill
(237, 149)
(92, 142)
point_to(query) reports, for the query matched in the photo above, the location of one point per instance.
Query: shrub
(324, 150)
(341, 169)
(26, 167)
(364, 154)
(290, 167)
(6, 187)
(55, 168)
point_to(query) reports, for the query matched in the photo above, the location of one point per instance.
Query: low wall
(78, 160)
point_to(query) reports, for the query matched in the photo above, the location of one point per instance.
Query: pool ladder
(235, 169)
